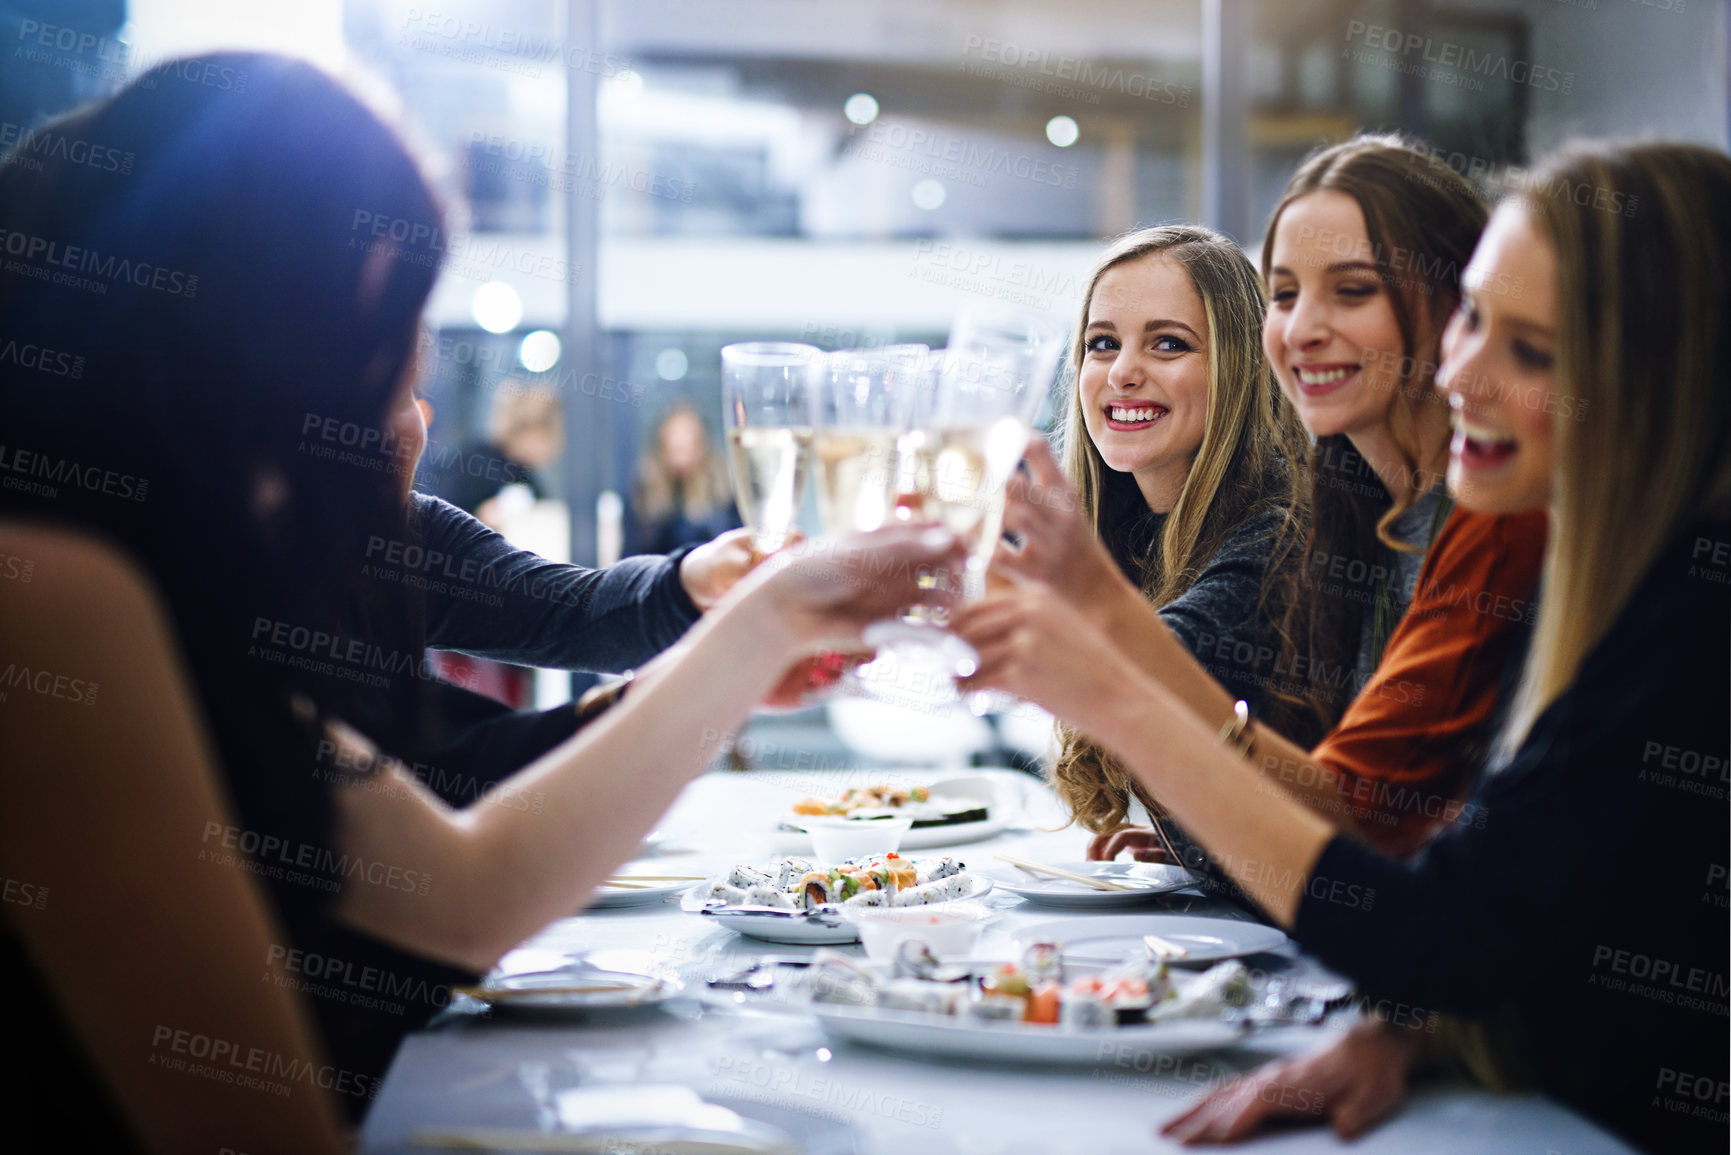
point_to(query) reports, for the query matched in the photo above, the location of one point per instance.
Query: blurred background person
(525, 434)
(681, 495)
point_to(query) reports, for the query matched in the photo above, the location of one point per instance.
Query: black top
(468, 474)
(1586, 917)
(678, 528)
(1221, 618)
(487, 598)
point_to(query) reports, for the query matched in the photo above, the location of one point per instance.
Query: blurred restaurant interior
(647, 181)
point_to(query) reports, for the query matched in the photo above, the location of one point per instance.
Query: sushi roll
(721, 889)
(790, 870)
(834, 978)
(815, 889)
(899, 873)
(856, 882)
(766, 894)
(943, 890)
(1044, 962)
(920, 996)
(867, 898)
(933, 869)
(746, 877)
(1084, 1010)
(1225, 985)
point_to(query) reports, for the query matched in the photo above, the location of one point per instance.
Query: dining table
(472, 1074)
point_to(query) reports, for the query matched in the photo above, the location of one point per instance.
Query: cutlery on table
(1069, 876)
(1162, 950)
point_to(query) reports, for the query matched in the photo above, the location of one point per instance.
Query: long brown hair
(1422, 220)
(1244, 468)
(1642, 235)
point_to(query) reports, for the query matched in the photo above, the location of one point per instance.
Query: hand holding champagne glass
(863, 415)
(968, 429)
(991, 383)
(860, 412)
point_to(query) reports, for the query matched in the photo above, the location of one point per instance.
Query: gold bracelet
(1236, 733)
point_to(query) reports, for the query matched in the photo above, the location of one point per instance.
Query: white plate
(1018, 1042)
(1106, 939)
(1147, 878)
(920, 837)
(548, 991)
(800, 928)
(1001, 1042)
(643, 894)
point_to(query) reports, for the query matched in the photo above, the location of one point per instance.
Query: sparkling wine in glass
(992, 381)
(768, 389)
(969, 430)
(863, 413)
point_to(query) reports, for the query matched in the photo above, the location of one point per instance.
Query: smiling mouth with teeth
(1477, 445)
(1316, 378)
(1138, 415)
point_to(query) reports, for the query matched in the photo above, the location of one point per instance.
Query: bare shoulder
(69, 580)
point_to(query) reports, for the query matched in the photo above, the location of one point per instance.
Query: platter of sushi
(1041, 1009)
(799, 901)
(944, 813)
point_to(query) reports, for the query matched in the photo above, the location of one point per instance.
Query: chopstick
(1165, 948)
(1041, 868)
(628, 885)
(514, 1139)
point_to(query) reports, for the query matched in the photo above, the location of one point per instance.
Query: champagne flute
(970, 429)
(768, 390)
(862, 414)
(993, 380)
(862, 408)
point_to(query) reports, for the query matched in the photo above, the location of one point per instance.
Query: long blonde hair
(1642, 236)
(1245, 467)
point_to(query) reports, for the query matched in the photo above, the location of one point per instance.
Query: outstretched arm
(500, 873)
(488, 598)
(1062, 554)
(1038, 647)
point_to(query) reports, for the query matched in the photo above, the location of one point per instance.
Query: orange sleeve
(1410, 745)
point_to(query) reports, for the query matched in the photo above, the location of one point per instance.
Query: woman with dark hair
(253, 284)
(1624, 317)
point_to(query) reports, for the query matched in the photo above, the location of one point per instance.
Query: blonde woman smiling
(1183, 453)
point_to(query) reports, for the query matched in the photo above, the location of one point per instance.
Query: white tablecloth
(501, 1073)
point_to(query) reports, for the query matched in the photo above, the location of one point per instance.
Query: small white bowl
(951, 929)
(835, 840)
